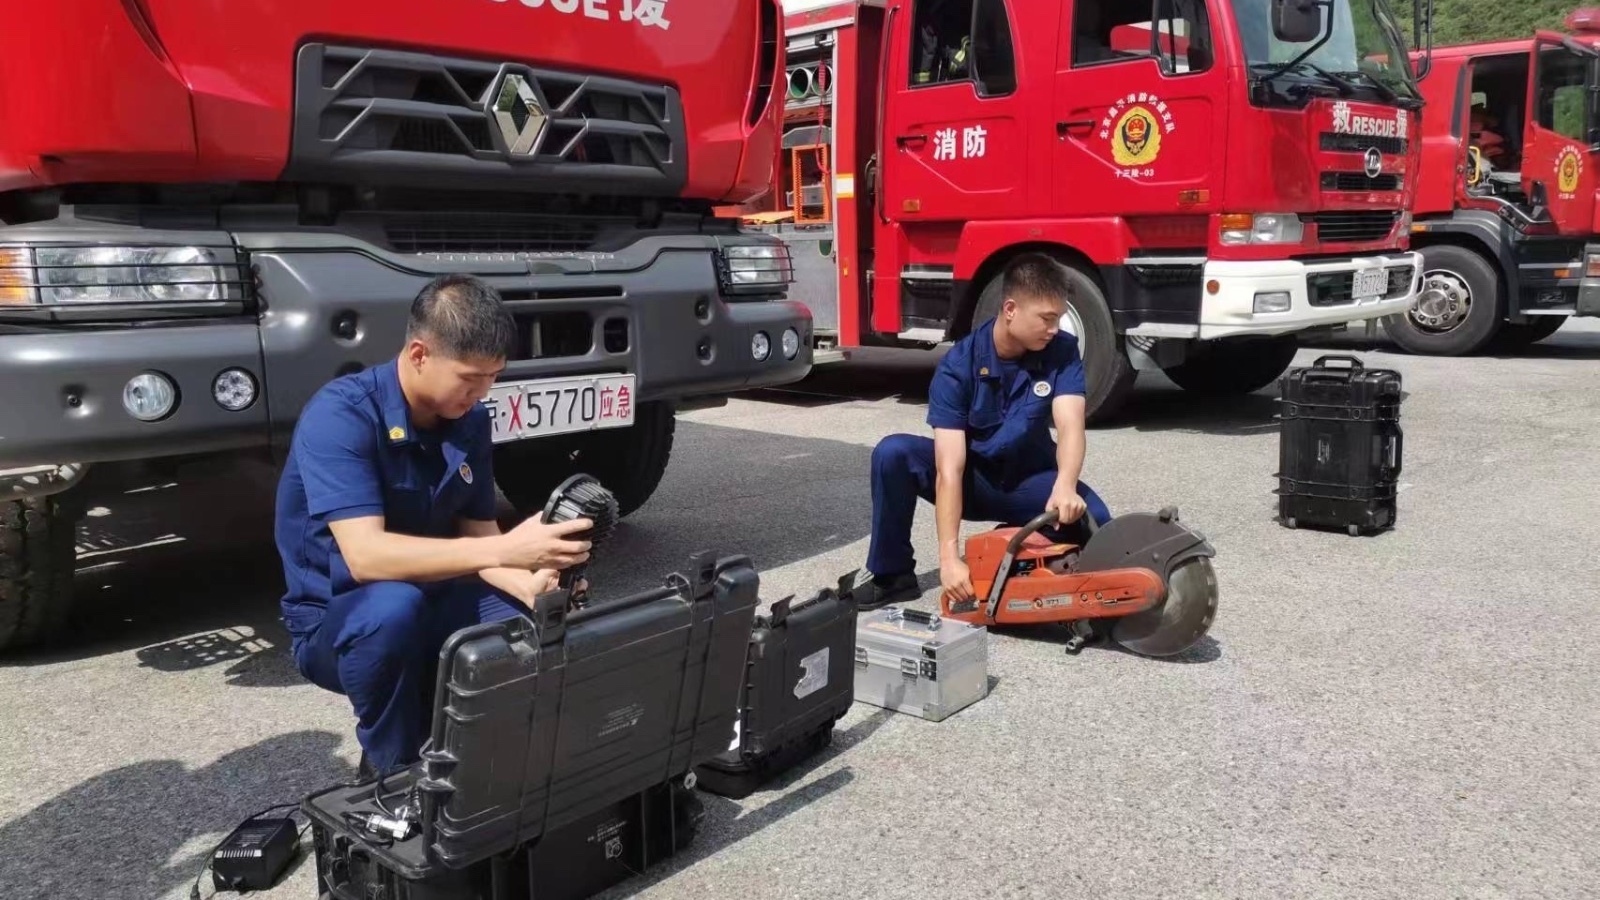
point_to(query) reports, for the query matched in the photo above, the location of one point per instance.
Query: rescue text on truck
(1506, 215)
(1220, 176)
(209, 211)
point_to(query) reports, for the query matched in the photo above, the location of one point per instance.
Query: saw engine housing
(1146, 578)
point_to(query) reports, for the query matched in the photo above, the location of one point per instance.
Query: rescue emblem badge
(466, 473)
(1136, 138)
(1569, 165)
(397, 433)
(1041, 389)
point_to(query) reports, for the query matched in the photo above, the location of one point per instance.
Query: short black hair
(464, 317)
(1036, 276)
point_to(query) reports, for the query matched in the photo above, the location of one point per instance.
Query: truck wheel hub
(1443, 303)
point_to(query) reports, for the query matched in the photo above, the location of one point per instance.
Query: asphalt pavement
(1410, 715)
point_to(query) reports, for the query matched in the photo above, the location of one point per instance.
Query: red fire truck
(1220, 176)
(1506, 192)
(209, 210)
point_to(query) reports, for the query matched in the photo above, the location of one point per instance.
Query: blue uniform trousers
(903, 471)
(379, 645)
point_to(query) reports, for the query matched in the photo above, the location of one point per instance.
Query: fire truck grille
(1358, 181)
(1333, 142)
(1337, 288)
(386, 116)
(1353, 227)
(490, 233)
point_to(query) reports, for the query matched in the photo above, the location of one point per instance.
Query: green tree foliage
(1465, 21)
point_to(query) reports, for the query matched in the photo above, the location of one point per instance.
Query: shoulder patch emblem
(1041, 388)
(397, 433)
(984, 371)
(466, 473)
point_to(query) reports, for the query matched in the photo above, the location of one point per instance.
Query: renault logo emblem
(519, 116)
(1374, 162)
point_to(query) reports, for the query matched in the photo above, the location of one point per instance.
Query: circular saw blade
(1181, 620)
(1181, 555)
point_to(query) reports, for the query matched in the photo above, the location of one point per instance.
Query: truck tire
(1514, 336)
(1461, 307)
(1232, 367)
(630, 462)
(1108, 373)
(38, 556)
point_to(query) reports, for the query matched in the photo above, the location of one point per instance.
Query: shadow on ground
(188, 576)
(141, 830)
(727, 822)
(1576, 340)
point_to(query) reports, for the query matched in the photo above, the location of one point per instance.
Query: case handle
(1355, 362)
(931, 620)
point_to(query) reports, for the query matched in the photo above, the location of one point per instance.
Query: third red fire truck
(1505, 207)
(1220, 176)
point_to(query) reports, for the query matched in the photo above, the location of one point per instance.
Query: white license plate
(1370, 283)
(532, 409)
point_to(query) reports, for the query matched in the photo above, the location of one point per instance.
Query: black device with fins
(1340, 446)
(582, 497)
(255, 855)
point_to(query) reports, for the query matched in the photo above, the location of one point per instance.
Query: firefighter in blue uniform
(386, 521)
(992, 402)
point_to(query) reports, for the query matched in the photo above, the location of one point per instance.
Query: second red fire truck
(1220, 176)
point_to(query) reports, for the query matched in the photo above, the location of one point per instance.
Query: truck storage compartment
(798, 683)
(540, 724)
(1340, 446)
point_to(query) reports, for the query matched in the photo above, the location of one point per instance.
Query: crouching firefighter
(386, 522)
(992, 402)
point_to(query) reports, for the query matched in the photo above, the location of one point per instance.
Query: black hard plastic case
(799, 681)
(539, 724)
(1340, 446)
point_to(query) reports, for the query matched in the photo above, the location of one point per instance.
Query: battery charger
(254, 855)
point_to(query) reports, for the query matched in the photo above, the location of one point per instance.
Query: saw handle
(1041, 521)
(1014, 546)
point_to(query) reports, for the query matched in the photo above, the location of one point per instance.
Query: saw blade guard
(1182, 557)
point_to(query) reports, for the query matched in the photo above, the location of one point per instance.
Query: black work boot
(876, 591)
(366, 771)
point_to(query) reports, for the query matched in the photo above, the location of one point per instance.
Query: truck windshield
(1367, 48)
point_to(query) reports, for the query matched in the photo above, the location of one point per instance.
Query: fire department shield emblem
(1136, 138)
(1568, 167)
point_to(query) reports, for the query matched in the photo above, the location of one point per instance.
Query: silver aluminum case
(920, 663)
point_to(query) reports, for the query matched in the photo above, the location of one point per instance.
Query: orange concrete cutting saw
(1143, 580)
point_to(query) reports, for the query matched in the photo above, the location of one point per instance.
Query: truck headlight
(1262, 228)
(756, 268)
(68, 276)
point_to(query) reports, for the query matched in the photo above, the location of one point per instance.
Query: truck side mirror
(1297, 21)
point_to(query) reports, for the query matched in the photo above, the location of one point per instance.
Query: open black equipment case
(562, 748)
(1340, 446)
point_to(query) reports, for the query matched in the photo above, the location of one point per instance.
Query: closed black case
(799, 681)
(1340, 446)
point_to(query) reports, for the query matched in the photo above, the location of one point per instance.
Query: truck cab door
(1139, 108)
(952, 143)
(1558, 160)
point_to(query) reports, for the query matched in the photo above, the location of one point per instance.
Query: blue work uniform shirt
(355, 453)
(1004, 405)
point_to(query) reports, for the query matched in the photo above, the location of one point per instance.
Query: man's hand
(1066, 503)
(956, 579)
(523, 586)
(534, 545)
